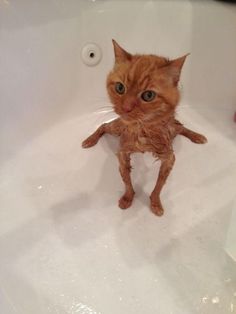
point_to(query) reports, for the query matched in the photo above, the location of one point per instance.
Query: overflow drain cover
(91, 54)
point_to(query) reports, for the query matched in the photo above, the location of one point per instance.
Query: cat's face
(142, 87)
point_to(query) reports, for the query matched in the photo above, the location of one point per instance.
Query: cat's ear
(175, 67)
(120, 54)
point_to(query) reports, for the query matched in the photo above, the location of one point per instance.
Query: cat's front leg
(93, 139)
(114, 128)
(193, 136)
(165, 169)
(125, 169)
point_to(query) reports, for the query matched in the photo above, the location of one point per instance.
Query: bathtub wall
(44, 80)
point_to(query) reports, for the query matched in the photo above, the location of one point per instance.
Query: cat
(143, 90)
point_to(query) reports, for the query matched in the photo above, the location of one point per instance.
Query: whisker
(105, 108)
(107, 116)
(105, 112)
(108, 106)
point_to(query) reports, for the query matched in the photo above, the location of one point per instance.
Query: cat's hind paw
(126, 201)
(157, 208)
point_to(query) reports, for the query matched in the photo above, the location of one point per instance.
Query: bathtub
(65, 246)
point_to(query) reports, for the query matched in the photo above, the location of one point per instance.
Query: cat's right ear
(120, 54)
(175, 67)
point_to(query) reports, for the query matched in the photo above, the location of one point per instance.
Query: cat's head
(142, 87)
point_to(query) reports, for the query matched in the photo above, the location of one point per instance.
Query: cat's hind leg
(125, 169)
(166, 165)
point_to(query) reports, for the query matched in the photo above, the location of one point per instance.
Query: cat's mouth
(133, 115)
(126, 117)
(140, 116)
(125, 114)
(130, 116)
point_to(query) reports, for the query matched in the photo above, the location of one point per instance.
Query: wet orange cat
(144, 92)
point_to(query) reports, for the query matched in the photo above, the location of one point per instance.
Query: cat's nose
(129, 106)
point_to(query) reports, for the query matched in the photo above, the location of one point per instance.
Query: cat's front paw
(90, 141)
(198, 139)
(126, 201)
(157, 208)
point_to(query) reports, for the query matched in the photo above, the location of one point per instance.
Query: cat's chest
(144, 139)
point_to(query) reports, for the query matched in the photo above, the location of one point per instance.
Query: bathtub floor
(66, 247)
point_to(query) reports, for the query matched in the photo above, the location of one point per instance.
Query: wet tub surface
(65, 246)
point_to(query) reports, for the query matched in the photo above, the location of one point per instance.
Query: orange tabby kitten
(144, 92)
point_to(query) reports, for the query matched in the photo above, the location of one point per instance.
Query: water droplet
(231, 307)
(215, 300)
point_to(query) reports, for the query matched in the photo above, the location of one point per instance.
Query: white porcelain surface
(65, 246)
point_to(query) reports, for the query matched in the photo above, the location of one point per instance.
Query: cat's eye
(148, 95)
(120, 88)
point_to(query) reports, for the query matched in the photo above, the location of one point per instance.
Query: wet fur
(144, 126)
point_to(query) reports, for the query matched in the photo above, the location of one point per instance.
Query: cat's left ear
(175, 67)
(120, 54)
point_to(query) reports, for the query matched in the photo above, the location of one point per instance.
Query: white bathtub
(65, 246)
